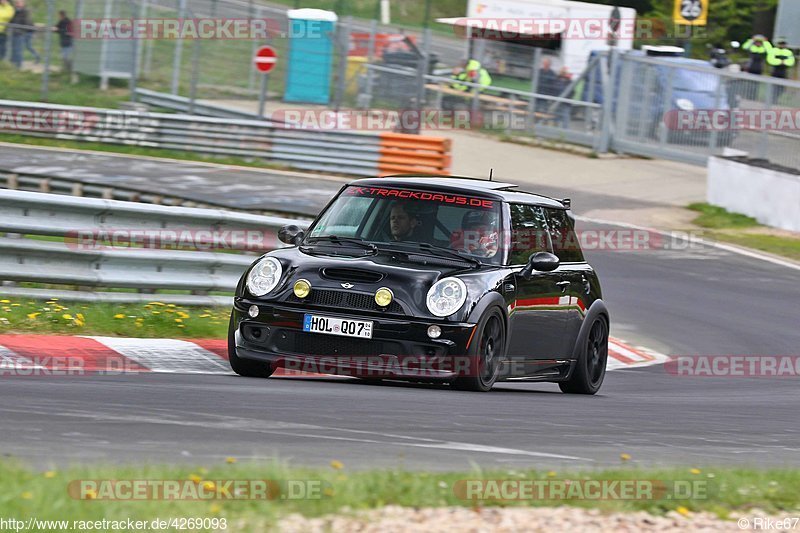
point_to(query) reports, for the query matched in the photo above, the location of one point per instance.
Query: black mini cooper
(427, 279)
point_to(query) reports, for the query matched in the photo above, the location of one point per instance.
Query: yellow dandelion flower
(337, 465)
(551, 474)
(27, 495)
(119, 315)
(209, 485)
(230, 460)
(215, 508)
(695, 471)
(80, 316)
(156, 303)
(178, 320)
(625, 456)
(170, 305)
(328, 492)
(195, 478)
(79, 323)
(183, 315)
(5, 301)
(49, 474)
(66, 316)
(32, 316)
(90, 495)
(156, 312)
(683, 511)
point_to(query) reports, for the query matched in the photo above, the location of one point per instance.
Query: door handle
(563, 285)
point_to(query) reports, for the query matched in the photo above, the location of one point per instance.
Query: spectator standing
(22, 34)
(6, 14)
(781, 59)
(759, 48)
(65, 39)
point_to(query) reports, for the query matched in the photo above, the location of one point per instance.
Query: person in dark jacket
(22, 34)
(65, 39)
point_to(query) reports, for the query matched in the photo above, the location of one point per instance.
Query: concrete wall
(769, 196)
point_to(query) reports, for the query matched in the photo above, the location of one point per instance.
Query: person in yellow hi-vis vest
(781, 59)
(759, 48)
(473, 72)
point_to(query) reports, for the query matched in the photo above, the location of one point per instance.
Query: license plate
(338, 326)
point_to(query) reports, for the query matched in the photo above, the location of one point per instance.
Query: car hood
(408, 280)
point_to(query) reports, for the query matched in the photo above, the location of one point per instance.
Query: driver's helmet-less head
(478, 233)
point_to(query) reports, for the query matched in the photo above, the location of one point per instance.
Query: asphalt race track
(706, 302)
(697, 301)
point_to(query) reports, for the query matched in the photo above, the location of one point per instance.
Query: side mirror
(541, 262)
(291, 234)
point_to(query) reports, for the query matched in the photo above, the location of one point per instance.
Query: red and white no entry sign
(265, 59)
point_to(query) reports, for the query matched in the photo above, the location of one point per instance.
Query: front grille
(344, 300)
(297, 342)
(351, 274)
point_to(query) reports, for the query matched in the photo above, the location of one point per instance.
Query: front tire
(590, 369)
(244, 367)
(485, 355)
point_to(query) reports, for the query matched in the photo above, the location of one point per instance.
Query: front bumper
(399, 347)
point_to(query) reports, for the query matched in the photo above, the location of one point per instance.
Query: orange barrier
(402, 153)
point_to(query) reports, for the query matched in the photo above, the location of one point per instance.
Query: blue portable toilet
(311, 51)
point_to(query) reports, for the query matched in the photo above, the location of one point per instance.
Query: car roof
(498, 190)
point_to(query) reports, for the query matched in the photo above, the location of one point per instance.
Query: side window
(563, 236)
(528, 233)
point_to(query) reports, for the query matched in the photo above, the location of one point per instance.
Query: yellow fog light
(302, 288)
(383, 297)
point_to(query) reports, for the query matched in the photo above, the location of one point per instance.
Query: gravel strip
(491, 519)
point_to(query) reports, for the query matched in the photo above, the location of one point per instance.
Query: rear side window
(563, 236)
(528, 233)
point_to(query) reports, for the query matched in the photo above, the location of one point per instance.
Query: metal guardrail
(82, 247)
(341, 152)
(185, 105)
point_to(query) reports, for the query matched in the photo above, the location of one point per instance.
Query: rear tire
(485, 355)
(590, 368)
(244, 367)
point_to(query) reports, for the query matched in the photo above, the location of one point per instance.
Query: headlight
(446, 296)
(264, 276)
(302, 288)
(685, 104)
(383, 297)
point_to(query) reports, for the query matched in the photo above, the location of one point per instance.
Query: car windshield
(389, 216)
(692, 81)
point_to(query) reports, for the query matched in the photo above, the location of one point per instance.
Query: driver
(478, 235)
(403, 222)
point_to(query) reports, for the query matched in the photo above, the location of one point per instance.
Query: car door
(536, 314)
(573, 271)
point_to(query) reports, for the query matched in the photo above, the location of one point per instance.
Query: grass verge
(152, 320)
(742, 230)
(320, 491)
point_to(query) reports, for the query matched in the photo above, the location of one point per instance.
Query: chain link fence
(621, 101)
